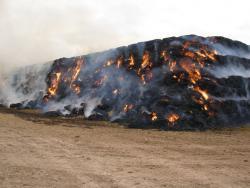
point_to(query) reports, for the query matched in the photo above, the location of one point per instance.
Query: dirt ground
(36, 151)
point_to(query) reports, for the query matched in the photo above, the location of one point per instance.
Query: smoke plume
(43, 30)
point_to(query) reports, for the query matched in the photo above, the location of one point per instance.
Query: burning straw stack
(179, 83)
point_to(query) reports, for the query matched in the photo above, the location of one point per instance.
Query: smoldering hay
(181, 83)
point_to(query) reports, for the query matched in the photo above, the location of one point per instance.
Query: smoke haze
(42, 30)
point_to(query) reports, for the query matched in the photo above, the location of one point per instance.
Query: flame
(77, 69)
(54, 84)
(69, 77)
(146, 77)
(205, 107)
(139, 72)
(143, 79)
(131, 61)
(179, 78)
(172, 118)
(203, 52)
(199, 101)
(193, 72)
(185, 64)
(202, 92)
(127, 107)
(165, 55)
(119, 62)
(190, 54)
(108, 63)
(146, 60)
(75, 73)
(154, 116)
(172, 65)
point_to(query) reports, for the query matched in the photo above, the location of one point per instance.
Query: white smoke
(226, 51)
(23, 84)
(233, 69)
(42, 30)
(230, 70)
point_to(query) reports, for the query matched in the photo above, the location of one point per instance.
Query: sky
(38, 31)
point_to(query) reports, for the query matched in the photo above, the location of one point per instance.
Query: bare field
(37, 151)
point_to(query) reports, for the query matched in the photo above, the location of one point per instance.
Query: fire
(190, 54)
(68, 76)
(165, 55)
(54, 84)
(202, 92)
(128, 107)
(131, 61)
(199, 101)
(172, 118)
(143, 79)
(119, 62)
(190, 68)
(203, 51)
(77, 69)
(205, 107)
(172, 65)
(154, 116)
(184, 63)
(146, 60)
(75, 73)
(179, 78)
(108, 63)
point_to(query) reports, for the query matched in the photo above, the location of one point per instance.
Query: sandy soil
(55, 152)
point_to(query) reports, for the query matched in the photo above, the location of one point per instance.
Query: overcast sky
(36, 31)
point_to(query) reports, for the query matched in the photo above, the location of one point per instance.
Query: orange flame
(143, 79)
(131, 61)
(146, 60)
(205, 107)
(119, 62)
(108, 63)
(202, 92)
(154, 116)
(172, 65)
(75, 74)
(205, 53)
(77, 69)
(172, 118)
(202, 53)
(190, 54)
(54, 84)
(190, 68)
(165, 56)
